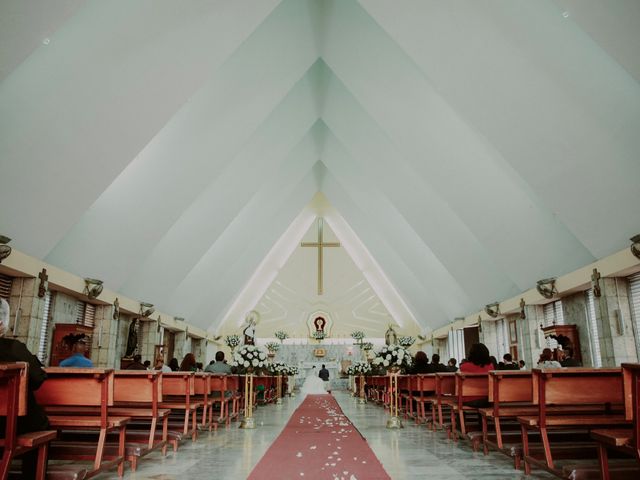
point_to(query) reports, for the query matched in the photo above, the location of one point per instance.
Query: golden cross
(320, 244)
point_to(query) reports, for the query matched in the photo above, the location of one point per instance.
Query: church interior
(235, 197)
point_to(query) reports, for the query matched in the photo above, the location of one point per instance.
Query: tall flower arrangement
(358, 335)
(318, 335)
(406, 341)
(281, 335)
(393, 357)
(249, 358)
(273, 346)
(232, 341)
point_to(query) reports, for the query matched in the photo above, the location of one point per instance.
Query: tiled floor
(410, 453)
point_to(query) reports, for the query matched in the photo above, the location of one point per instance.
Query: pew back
(578, 386)
(510, 386)
(178, 384)
(92, 387)
(13, 388)
(135, 386)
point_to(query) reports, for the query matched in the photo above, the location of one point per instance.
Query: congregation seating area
(578, 423)
(108, 420)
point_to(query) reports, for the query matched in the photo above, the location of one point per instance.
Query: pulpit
(567, 336)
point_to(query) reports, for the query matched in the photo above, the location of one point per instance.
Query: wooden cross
(320, 244)
(42, 288)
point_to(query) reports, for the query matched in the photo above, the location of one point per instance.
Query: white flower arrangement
(249, 357)
(406, 341)
(292, 370)
(367, 346)
(273, 346)
(392, 357)
(358, 335)
(318, 335)
(232, 341)
(281, 335)
(279, 368)
(359, 368)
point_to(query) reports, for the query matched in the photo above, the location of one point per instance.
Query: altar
(334, 359)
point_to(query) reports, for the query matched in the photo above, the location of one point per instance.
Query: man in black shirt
(15, 351)
(324, 375)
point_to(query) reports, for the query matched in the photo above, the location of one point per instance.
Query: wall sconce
(5, 250)
(116, 309)
(146, 309)
(595, 283)
(547, 287)
(492, 309)
(635, 245)
(92, 287)
(523, 314)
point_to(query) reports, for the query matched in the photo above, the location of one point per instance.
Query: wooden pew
(469, 387)
(426, 387)
(233, 386)
(75, 388)
(445, 389)
(14, 379)
(511, 395)
(221, 395)
(570, 387)
(626, 440)
(178, 389)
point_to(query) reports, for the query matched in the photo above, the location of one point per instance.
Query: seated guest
(546, 360)
(508, 363)
(78, 346)
(436, 365)
(137, 363)
(568, 360)
(188, 363)
(421, 364)
(494, 362)
(451, 365)
(173, 364)
(521, 364)
(147, 364)
(478, 360)
(219, 366)
(198, 366)
(12, 350)
(160, 365)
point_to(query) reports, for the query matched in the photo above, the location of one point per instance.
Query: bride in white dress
(313, 384)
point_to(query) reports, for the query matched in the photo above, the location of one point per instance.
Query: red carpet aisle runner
(319, 442)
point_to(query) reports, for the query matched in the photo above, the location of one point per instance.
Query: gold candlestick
(394, 402)
(248, 421)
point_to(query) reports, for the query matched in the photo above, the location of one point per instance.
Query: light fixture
(92, 287)
(116, 309)
(492, 309)
(5, 250)
(547, 287)
(146, 309)
(635, 246)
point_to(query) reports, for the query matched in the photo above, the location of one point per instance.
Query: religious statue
(390, 337)
(319, 323)
(132, 339)
(250, 330)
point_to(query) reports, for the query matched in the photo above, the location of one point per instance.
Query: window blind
(5, 286)
(43, 346)
(634, 300)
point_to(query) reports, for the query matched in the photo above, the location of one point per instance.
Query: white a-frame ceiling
(473, 147)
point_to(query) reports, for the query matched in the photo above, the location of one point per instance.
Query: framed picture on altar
(319, 352)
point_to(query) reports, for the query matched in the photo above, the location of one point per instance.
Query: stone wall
(29, 308)
(489, 337)
(530, 339)
(105, 336)
(615, 327)
(574, 309)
